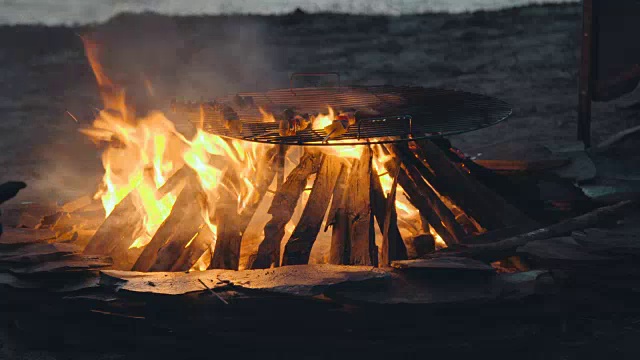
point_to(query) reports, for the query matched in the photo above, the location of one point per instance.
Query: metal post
(585, 85)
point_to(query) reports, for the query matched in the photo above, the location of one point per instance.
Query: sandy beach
(526, 56)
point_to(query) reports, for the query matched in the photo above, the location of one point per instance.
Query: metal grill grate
(401, 113)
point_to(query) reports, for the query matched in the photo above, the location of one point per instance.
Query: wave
(80, 12)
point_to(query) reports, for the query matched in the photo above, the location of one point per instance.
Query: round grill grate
(394, 114)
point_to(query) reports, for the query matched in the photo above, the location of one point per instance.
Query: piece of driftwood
(231, 224)
(422, 196)
(505, 248)
(282, 208)
(481, 203)
(357, 208)
(117, 232)
(302, 280)
(179, 227)
(298, 248)
(195, 250)
(384, 209)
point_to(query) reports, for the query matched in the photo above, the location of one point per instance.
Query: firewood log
(180, 226)
(481, 203)
(505, 248)
(422, 196)
(231, 225)
(282, 207)
(384, 209)
(357, 208)
(117, 233)
(299, 246)
(192, 253)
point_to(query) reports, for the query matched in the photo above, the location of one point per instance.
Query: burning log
(200, 244)
(231, 225)
(117, 233)
(423, 197)
(482, 204)
(353, 240)
(299, 246)
(178, 228)
(337, 219)
(282, 207)
(182, 238)
(505, 248)
(384, 209)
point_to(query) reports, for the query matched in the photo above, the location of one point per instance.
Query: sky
(68, 12)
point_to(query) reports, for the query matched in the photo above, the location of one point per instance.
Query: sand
(526, 56)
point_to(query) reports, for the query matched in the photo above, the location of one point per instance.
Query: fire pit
(278, 169)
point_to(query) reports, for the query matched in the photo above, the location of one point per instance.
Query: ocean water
(68, 12)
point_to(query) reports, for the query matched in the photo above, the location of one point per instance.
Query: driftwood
(181, 224)
(422, 196)
(231, 224)
(299, 246)
(282, 208)
(117, 233)
(481, 203)
(384, 209)
(505, 248)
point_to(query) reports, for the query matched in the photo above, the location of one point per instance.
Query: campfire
(340, 175)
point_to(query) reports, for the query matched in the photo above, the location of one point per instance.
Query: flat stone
(443, 263)
(299, 280)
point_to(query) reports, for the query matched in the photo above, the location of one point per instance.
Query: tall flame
(143, 152)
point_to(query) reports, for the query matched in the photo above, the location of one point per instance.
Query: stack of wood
(450, 201)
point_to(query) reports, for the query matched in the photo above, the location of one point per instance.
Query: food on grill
(291, 123)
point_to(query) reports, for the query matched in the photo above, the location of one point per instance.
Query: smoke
(157, 58)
